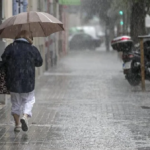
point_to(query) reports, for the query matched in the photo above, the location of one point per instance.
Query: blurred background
(94, 22)
(89, 24)
(88, 96)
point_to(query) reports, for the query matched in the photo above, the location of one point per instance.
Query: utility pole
(142, 62)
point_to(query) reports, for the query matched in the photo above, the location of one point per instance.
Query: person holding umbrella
(20, 59)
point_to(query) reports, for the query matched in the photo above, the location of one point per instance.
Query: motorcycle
(131, 59)
(124, 44)
(136, 61)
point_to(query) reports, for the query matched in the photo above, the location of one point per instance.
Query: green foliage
(134, 13)
(103, 7)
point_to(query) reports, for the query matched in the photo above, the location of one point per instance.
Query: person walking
(20, 59)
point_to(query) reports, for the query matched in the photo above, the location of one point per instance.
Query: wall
(6, 13)
(37, 5)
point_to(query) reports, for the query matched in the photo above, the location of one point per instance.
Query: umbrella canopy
(39, 24)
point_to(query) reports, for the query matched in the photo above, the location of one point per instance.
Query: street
(83, 103)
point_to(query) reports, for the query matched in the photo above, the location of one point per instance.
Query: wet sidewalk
(83, 104)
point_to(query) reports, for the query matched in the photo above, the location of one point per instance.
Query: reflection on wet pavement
(84, 103)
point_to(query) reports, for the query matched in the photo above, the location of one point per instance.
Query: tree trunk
(138, 20)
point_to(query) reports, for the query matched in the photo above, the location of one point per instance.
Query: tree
(137, 23)
(137, 9)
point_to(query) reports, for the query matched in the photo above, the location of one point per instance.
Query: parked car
(83, 41)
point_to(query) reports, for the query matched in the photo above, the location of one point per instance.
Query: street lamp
(19, 3)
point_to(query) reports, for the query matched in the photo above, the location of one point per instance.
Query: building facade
(49, 47)
(5, 12)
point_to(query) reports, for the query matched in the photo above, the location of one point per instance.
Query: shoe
(24, 122)
(17, 129)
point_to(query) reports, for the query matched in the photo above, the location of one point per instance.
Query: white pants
(22, 103)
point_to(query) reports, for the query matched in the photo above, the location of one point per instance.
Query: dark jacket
(20, 59)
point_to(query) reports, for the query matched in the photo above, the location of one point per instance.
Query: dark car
(83, 41)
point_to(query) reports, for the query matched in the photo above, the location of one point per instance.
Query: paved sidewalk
(83, 104)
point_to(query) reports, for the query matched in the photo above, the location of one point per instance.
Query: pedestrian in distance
(20, 59)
